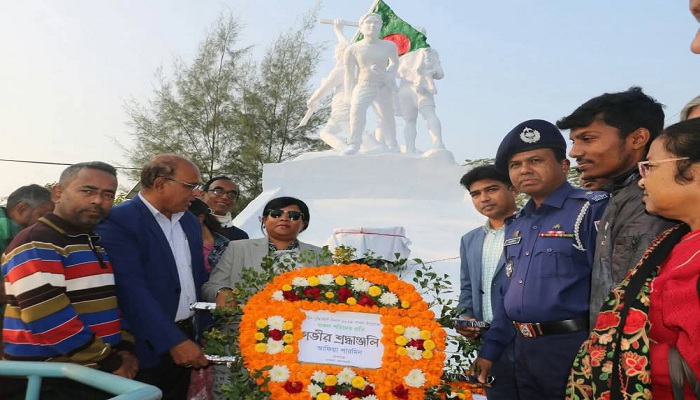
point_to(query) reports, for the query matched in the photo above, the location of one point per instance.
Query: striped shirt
(490, 255)
(61, 297)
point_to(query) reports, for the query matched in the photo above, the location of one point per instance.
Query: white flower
(279, 373)
(414, 353)
(274, 346)
(360, 285)
(278, 295)
(345, 376)
(318, 376)
(300, 281)
(415, 378)
(388, 298)
(370, 397)
(411, 333)
(338, 397)
(326, 279)
(313, 389)
(275, 322)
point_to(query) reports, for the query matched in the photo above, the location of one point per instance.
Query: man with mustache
(610, 134)
(61, 299)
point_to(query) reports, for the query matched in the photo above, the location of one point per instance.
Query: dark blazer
(148, 285)
(234, 233)
(471, 289)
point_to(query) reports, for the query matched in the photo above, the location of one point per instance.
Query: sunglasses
(219, 191)
(292, 215)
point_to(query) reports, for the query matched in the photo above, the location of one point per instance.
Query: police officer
(548, 247)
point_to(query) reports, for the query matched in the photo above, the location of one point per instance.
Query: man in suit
(482, 265)
(159, 268)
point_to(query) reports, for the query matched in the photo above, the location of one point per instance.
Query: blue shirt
(550, 250)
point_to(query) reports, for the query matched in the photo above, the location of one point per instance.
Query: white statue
(370, 68)
(417, 72)
(339, 119)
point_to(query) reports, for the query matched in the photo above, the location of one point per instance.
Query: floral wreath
(270, 329)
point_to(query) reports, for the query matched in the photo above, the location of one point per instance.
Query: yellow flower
(351, 300)
(261, 323)
(329, 295)
(401, 351)
(313, 281)
(399, 329)
(405, 304)
(259, 336)
(461, 396)
(330, 380)
(287, 325)
(286, 287)
(425, 335)
(261, 347)
(427, 354)
(340, 280)
(358, 382)
(401, 340)
(288, 349)
(374, 291)
(289, 338)
(323, 396)
(429, 345)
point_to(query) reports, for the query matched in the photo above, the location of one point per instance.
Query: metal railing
(124, 389)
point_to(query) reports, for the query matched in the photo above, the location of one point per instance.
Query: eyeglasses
(644, 165)
(292, 215)
(219, 191)
(194, 187)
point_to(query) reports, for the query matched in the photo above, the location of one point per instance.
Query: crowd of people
(589, 293)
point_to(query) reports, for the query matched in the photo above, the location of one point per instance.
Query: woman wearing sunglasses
(282, 220)
(649, 327)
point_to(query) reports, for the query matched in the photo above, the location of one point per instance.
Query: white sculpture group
(365, 74)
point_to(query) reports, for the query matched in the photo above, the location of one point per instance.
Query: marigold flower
(261, 323)
(399, 329)
(323, 396)
(401, 340)
(358, 382)
(259, 336)
(340, 280)
(330, 380)
(288, 338)
(374, 291)
(288, 349)
(425, 335)
(401, 351)
(427, 354)
(313, 281)
(286, 287)
(287, 325)
(329, 295)
(405, 304)
(351, 301)
(429, 345)
(261, 347)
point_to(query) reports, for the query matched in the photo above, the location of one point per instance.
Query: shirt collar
(487, 227)
(173, 219)
(621, 181)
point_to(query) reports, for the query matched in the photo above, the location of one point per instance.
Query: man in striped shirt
(61, 298)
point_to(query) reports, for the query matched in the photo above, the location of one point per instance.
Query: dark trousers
(172, 379)
(504, 386)
(544, 363)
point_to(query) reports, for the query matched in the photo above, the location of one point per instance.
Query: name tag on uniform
(512, 241)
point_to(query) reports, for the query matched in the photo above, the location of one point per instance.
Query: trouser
(172, 379)
(544, 363)
(504, 386)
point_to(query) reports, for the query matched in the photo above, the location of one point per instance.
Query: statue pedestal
(420, 193)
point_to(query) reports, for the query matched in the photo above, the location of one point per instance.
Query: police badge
(509, 267)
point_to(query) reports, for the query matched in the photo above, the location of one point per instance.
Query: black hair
(33, 195)
(199, 207)
(683, 140)
(214, 179)
(281, 202)
(481, 172)
(69, 173)
(627, 111)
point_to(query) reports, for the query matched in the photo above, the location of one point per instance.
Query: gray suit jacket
(242, 254)
(471, 289)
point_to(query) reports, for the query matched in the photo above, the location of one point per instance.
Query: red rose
(369, 390)
(330, 390)
(289, 295)
(366, 300)
(293, 387)
(635, 321)
(401, 392)
(312, 293)
(606, 320)
(275, 334)
(344, 293)
(417, 343)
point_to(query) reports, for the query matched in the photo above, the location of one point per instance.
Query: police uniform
(549, 252)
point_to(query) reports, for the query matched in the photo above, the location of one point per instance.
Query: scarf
(225, 220)
(613, 363)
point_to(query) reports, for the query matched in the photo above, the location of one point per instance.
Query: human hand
(225, 298)
(129, 367)
(481, 367)
(471, 333)
(188, 354)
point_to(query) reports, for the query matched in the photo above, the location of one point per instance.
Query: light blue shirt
(490, 255)
(183, 259)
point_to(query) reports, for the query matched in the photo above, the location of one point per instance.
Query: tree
(228, 113)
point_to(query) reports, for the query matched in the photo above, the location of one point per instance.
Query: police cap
(526, 136)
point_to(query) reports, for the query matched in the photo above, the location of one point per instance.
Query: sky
(67, 68)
